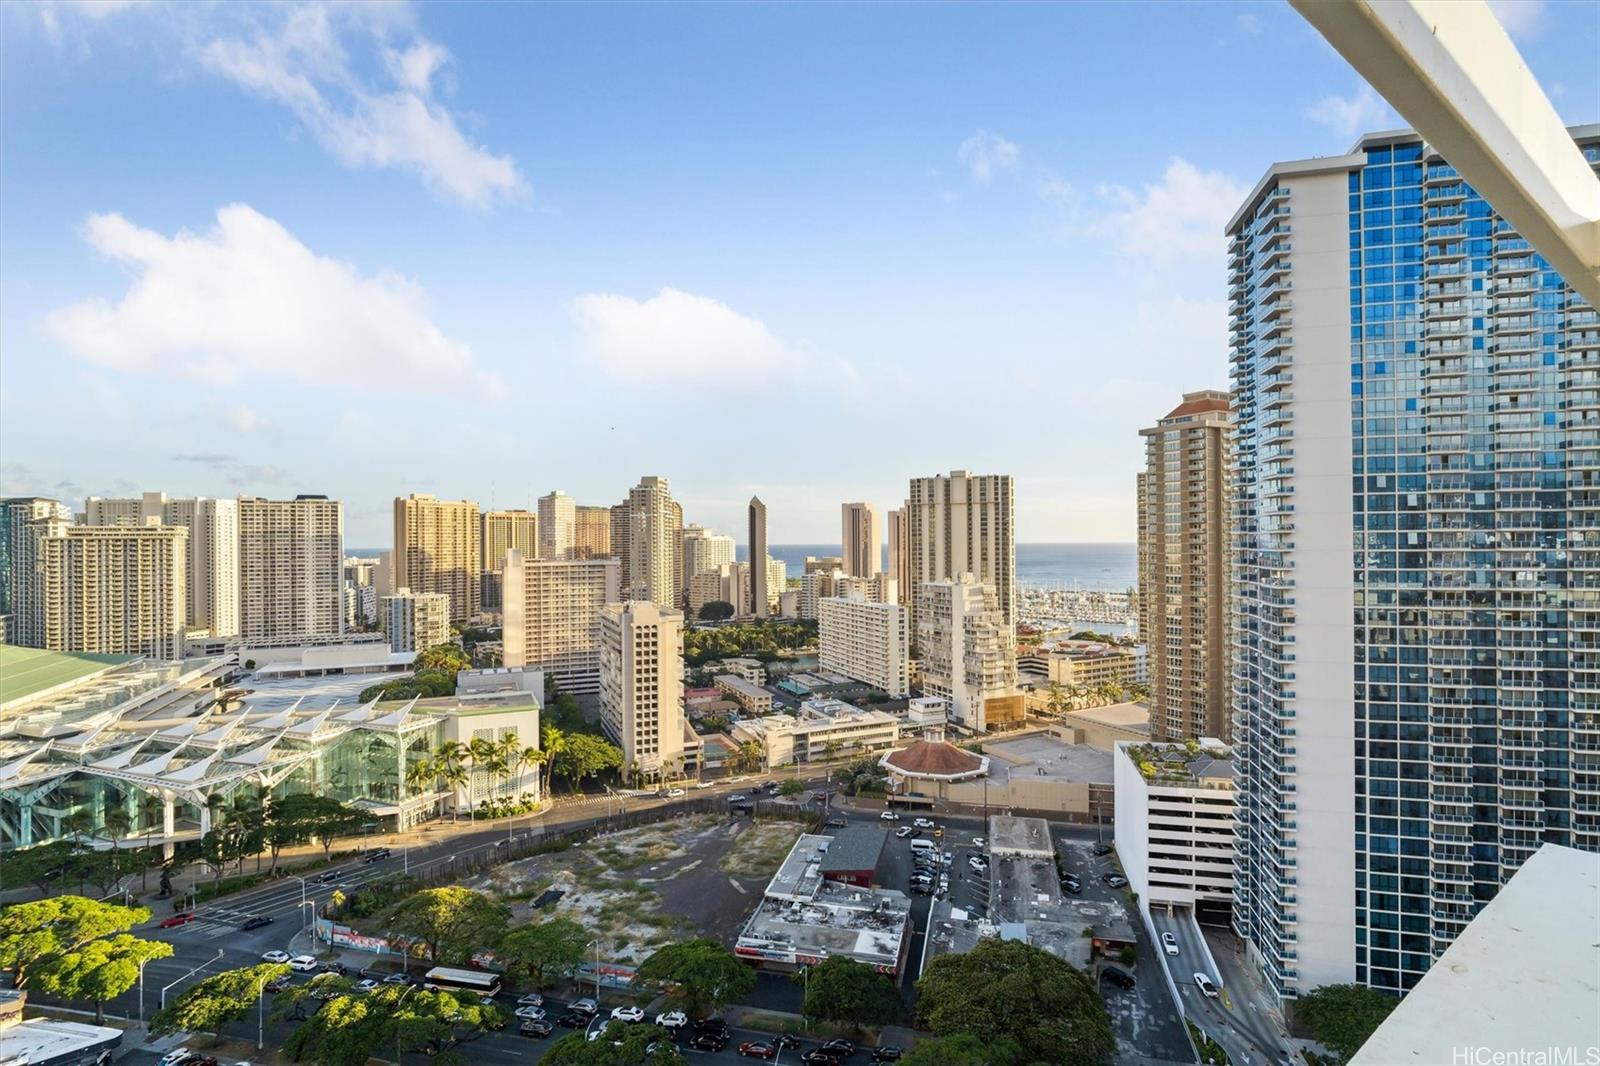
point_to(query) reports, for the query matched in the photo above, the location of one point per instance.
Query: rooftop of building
(132, 689)
(1130, 716)
(804, 912)
(739, 684)
(854, 848)
(28, 672)
(1196, 762)
(935, 759)
(1023, 836)
(51, 1040)
(1040, 755)
(1525, 973)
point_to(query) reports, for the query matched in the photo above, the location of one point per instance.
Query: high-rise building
(759, 577)
(861, 539)
(505, 531)
(115, 590)
(416, 621)
(591, 533)
(865, 641)
(1417, 507)
(645, 536)
(899, 553)
(438, 548)
(558, 521)
(963, 524)
(291, 568)
(641, 685)
(212, 567)
(968, 653)
(704, 550)
(21, 574)
(383, 574)
(552, 616)
(777, 581)
(1184, 555)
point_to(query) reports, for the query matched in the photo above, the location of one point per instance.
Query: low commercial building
(865, 641)
(51, 1041)
(357, 653)
(752, 670)
(416, 621)
(752, 697)
(853, 855)
(924, 716)
(1084, 663)
(1104, 727)
(1175, 821)
(1028, 772)
(821, 729)
(804, 918)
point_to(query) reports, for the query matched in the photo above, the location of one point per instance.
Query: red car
(757, 1049)
(181, 918)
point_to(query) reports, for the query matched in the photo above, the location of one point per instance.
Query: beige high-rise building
(551, 617)
(641, 685)
(759, 574)
(861, 539)
(865, 641)
(968, 654)
(728, 583)
(115, 590)
(416, 621)
(503, 532)
(777, 581)
(591, 533)
(213, 561)
(23, 521)
(703, 551)
(963, 524)
(558, 522)
(291, 568)
(899, 554)
(1184, 510)
(645, 536)
(383, 574)
(438, 548)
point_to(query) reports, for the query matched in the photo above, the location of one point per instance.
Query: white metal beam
(1450, 70)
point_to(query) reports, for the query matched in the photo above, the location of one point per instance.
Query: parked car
(255, 921)
(302, 963)
(181, 918)
(277, 984)
(1121, 978)
(672, 1019)
(530, 999)
(627, 1014)
(820, 1057)
(1073, 886)
(274, 956)
(1203, 983)
(757, 1049)
(886, 1053)
(401, 979)
(843, 1048)
(786, 1040)
(979, 842)
(1102, 849)
(904, 831)
(176, 1056)
(838, 823)
(977, 865)
(573, 1019)
(710, 1040)
(674, 793)
(921, 888)
(530, 1012)
(1169, 943)
(202, 1060)
(330, 967)
(377, 855)
(889, 816)
(702, 784)
(366, 985)
(536, 1028)
(1115, 880)
(711, 1024)
(585, 1006)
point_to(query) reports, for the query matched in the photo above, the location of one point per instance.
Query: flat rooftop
(1525, 973)
(866, 924)
(47, 1040)
(1027, 836)
(1133, 716)
(26, 672)
(1042, 755)
(739, 684)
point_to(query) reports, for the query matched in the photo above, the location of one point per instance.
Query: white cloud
(246, 301)
(1349, 116)
(984, 153)
(1181, 216)
(242, 418)
(676, 338)
(1521, 18)
(302, 62)
(50, 12)
(1249, 22)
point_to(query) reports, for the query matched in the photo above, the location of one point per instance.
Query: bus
(479, 982)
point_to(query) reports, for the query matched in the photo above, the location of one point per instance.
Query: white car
(979, 842)
(530, 1012)
(673, 1019)
(366, 984)
(703, 784)
(175, 1056)
(977, 865)
(302, 963)
(627, 1014)
(904, 831)
(274, 956)
(674, 793)
(923, 823)
(889, 816)
(1169, 943)
(531, 999)
(1203, 983)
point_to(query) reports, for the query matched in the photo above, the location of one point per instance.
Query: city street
(1233, 1019)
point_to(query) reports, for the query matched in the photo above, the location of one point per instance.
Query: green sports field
(24, 671)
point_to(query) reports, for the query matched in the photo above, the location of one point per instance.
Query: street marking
(737, 887)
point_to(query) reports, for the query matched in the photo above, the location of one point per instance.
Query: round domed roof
(935, 758)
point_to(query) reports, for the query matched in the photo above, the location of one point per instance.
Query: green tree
(584, 755)
(451, 762)
(350, 1028)
(716, 611)
(752, 754)
(553, 740)
(791, 787)
(1009, 988)
(619, 1045)
(36, 937)
(964, 1049)
(214, 1002)
(544, 951)
(100, 970)
(699, 974)
(848, 992)
(42, 866)
(450, 923)
(1343, 1017)
(444, 658)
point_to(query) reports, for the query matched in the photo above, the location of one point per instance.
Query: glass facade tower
(1468, 730)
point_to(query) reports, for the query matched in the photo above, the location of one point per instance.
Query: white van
(924, 845)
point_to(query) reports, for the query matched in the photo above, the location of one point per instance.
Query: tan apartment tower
(1184, 505)
(641, 686)
(558, 519)
(23, 521)
(962, 524)
(438, 548)
(415, 621)
(291, 568)
(552, 616)
(899, 555)
(759, 573)
(116, 590)
(503, 532)
(645, 535)
(591, 533)
(861, 539)
(213, 562)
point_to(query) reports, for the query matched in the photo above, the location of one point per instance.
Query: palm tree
(484, 755)
(752, 753)
(118, 821)
(529, 758)
(422, 775)
(150, 809)
(554, 743)
(1057, 701)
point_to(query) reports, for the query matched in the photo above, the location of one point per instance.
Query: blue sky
(805, 251)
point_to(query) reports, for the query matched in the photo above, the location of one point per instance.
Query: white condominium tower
(760, 576)
(963, 524)
(646, 535)
(552, 616)
(558, 519)
(641, 685)
(968, 653)
(861, 539)
(704, 551)
(115, 590)
(416, 621)
(1184, 552)
(1417, 566)
(23, 520)
(212, 567)
(865, 641)
(503, 532)
(291, 568)
(437, 548)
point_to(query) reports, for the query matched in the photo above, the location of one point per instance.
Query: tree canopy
(36, 937)
(1343, 1017)
(699, 974)
(964, 1049)
(350, 1028)
(715, 611)
(762, 640)
(446, 658)
(583, 755)
(543, 951)
(1006, 988)
(226, 997)
(848, 992)
(620, 1045)
(450, 923)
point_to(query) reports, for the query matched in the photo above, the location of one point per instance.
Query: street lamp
(186, 976)
(596, 943)
(397, 1004)
(306, 922)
